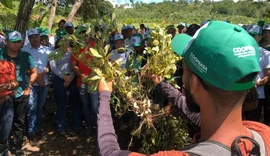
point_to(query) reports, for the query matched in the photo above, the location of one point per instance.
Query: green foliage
(168, 133)
(173, 12)
(93, 9)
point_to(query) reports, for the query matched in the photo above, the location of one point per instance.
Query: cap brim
(15, 40)
(179, 42)
(136, 45)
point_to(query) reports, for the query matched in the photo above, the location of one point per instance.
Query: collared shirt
(23, 62)
(40, 56)
(62, 67)
(264, 64)
(123, 56)
(128, 44)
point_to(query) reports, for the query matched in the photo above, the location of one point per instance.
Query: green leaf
(94, 78)
(95, 53)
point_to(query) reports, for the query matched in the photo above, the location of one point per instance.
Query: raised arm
(107, 139)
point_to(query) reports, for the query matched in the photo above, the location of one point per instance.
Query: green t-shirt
(23, 62)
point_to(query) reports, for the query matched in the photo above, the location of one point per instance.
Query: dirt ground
(50, 143)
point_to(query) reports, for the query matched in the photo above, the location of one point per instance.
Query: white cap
(182, 24)
(266, 27)
(253, 29)
(68, 24)
(130, 27)
(118, 37)
(33, 31)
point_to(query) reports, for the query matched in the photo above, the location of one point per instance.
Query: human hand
(67, 79)
(41, 82)
(26, 92)
(5, 86)
(155, 78)
(103, 85)
(168, 108)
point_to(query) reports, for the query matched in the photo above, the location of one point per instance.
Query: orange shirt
(7, 74)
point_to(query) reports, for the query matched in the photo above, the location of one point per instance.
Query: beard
(191, 103)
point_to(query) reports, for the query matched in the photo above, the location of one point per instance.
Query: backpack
(216, 148)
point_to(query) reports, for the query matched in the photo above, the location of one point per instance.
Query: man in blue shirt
(40, 89)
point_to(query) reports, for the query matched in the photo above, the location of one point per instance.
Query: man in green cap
(24, 62)
(220, 65)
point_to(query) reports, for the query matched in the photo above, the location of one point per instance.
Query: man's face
(119, 44)
(61, 25)
(266, 35)
(14, 46)
(70, 30)
(44, 40)
(171, 31)
(182, 29)
(34, 40)
(129, 33)
(191, 102)
(139, 50)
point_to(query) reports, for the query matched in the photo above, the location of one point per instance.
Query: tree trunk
(23, 15)
(75, 8)
(52, 14)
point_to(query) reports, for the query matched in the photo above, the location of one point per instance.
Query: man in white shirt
(39, 92)
(262, 78)
(119, 53)
(128, 41)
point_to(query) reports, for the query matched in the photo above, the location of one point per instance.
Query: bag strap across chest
(213, 148)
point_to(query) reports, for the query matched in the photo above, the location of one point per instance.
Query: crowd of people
(223, 76)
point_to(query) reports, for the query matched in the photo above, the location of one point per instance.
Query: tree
(52, 14)
(74, 10)
(23, 15)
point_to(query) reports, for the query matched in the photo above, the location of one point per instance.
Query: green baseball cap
(14, 36)
(221, 54)
(60, 34)
(137, 39)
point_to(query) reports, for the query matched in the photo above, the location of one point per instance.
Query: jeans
(90, 105)
(6, 117)
(60, 93)
(37, 100)
(20, 110)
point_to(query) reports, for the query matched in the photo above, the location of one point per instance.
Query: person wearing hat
(265, 43)
(24, 62)
(44, 38)
(220, 65)
(119, 53)
(81, 29)
(182, 27)
(128, 36)
(171, 30)
(69, 28)
(89, 101)
(41, 86)
(8, 84)
(191, 30)
(262, 78)
(132, 61)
